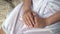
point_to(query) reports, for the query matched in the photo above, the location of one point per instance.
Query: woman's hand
(28, 18)
(39, 22)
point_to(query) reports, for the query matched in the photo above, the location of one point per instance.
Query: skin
(36, 21)
(42, 22)
(28, 13)
(1, 31)
(32, 19)
(39, 22)
(53, 19)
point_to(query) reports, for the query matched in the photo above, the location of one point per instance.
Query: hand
(28, 18)
(39, 22)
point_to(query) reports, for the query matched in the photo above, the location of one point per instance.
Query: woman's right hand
(28, 18)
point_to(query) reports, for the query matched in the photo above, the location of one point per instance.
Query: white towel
(14, 23)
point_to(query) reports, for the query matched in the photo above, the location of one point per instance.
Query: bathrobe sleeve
(52, 7)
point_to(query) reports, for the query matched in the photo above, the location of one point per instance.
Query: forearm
(27, 4)
(53, 19)
(2, 32)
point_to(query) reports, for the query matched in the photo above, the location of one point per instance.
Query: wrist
(47, 21)
(44, 21)
(26, 9)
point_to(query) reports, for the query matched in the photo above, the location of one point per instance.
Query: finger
(31, 18)
(34, 14)
(35, 19)
(25, 19)
(36, 23)
(29, 21)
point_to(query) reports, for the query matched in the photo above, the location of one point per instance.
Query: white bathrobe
(14, 23)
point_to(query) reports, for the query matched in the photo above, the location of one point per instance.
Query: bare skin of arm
(53, 19)
(50, 20)
(28, 17)
(27, 7)
(42, 22)
(1, 31)
(27, 4)
(28, 13)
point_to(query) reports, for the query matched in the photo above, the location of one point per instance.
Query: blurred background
(5, 8)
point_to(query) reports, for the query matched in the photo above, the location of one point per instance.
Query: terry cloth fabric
(14, 23)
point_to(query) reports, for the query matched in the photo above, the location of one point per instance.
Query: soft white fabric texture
(14, 23)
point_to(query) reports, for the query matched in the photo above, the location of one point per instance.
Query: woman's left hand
(39, 22)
